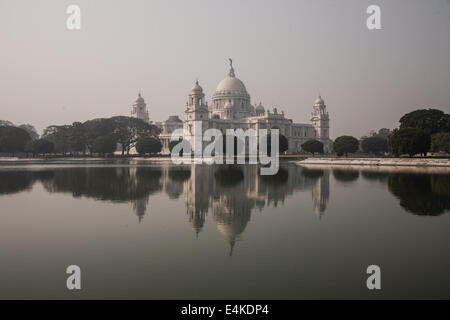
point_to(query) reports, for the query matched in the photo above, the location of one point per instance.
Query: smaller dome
(319, 100)
(139, 99)
(174, 119)
(260, 108)
(196, 88)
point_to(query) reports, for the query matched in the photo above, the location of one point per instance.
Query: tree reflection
(421, 194)
(179, 174)
(228, 176)
(174, 182)
(281, 177)
(15, 181)
(12, 181)
(375, 175)
(345, 175)
(119, 184)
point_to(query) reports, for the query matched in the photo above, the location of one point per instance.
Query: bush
(409, 141)
(346, 144)
(441, 142)
(104, 145)
(313, 146)
(375, 145)
(148, 145)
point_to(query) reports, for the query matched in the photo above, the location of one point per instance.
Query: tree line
(99, 136)
(420, 132)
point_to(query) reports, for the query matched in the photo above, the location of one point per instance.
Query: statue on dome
(231, 62)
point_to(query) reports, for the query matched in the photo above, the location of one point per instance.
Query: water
(161, 231)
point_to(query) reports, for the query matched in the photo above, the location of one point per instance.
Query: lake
(153, 230)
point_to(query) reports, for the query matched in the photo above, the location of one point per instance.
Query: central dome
(231, 100)
(231, 84)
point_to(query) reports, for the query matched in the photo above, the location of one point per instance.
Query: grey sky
(286, 52)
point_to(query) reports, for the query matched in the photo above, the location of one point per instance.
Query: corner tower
(320, 119)
(196, 106)
(139, 109)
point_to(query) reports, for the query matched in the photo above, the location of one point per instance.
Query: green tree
(41, 146)
(313, 146)
(104, 145)
(344, 145)
(95, 128)
(283, 144)
(441, 142)
(44, 146)
(148, 145)
(409, 141)
(384, 133)
(77, 139)
(6, 123)
(60, 136)
(13, 139)
(375, 145)
(31, 131)
(430, 121)
(128, 130)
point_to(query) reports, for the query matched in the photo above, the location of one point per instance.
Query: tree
(375, 145)
(6, 123)
(345, 145)
(59, 135)
(104, 145)
(31, 131)
(313, 146)
(148, 145)
(430, 121)
(13, 139)
(409, 141)
(77, 138)
(128, 130)
(95, 128)
(42, 146)
(441, 142)
(283, 144)
(384, 133)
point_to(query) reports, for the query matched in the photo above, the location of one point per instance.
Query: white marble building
(231, 108)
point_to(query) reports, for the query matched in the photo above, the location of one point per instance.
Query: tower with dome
(139, 109)
(231, 108)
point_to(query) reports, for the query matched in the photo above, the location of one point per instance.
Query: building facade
(231, 108)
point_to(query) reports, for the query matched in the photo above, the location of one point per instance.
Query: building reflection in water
(230, 194)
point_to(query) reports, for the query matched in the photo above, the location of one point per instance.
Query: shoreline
(4, 161)
(377, 162)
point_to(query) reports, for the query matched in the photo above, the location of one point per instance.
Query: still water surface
(162, 231)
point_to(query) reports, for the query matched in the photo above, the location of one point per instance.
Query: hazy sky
(286, 53)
